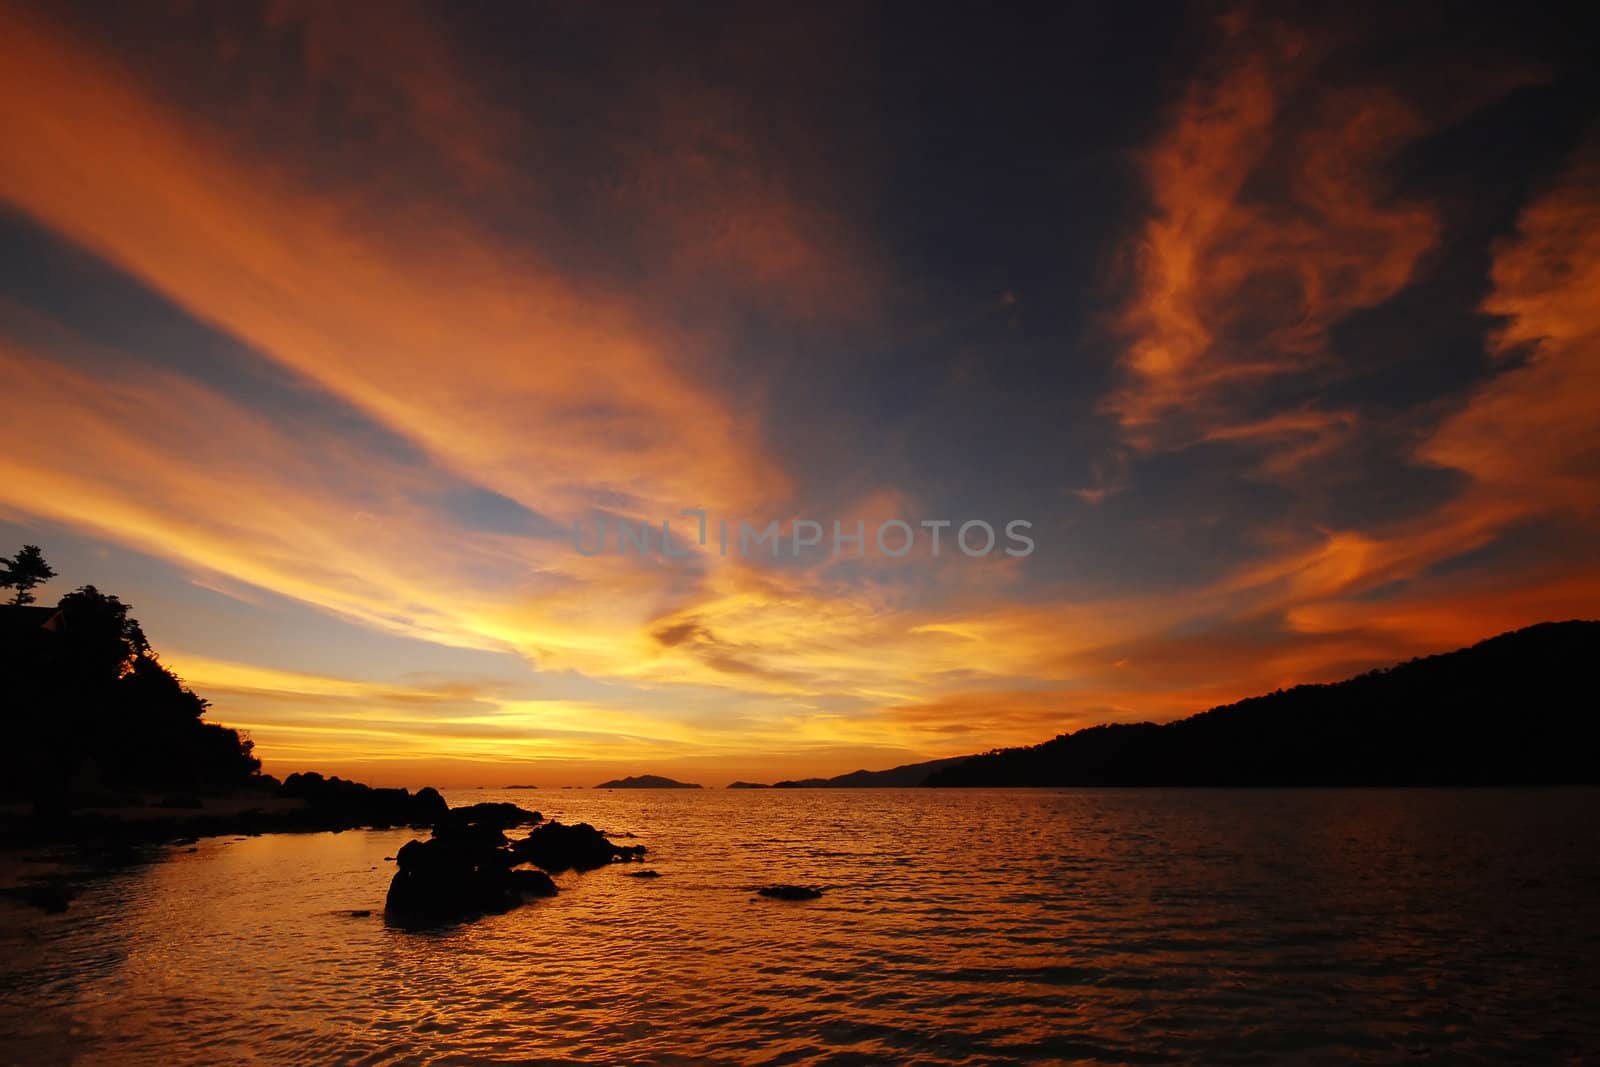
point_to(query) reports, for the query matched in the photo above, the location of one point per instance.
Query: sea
(955, 927)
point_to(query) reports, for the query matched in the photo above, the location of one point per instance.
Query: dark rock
(789, 892)
(441, 880)
(462, 832)
(360, 913)
(644, 874)
(558, 847)
(505, 816)
(532, 883)
(466, 869)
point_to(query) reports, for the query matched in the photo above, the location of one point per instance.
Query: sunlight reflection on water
(959, 927)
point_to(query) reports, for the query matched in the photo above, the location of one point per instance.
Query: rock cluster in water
(469, 867)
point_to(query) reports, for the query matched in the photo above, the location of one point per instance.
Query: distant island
(646, 781)
(747, 785)
(1511, 710)
(522, 787)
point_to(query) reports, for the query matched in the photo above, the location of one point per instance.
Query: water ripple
(959, 928)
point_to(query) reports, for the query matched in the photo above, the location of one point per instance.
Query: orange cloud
(1530, 438)
(1271, 222)
(1528, 441)
(728, 212)
(430, 325)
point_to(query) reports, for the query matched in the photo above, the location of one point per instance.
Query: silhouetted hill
(1517, 709)
(907, 774)
(645, 781)
(747, 785)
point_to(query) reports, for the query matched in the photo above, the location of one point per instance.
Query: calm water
(961, 927)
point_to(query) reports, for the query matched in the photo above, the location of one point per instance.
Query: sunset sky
(320, 324)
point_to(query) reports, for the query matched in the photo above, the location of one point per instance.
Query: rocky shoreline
(467, 867)
(301, 803)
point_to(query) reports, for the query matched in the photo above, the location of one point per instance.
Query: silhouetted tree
(151, 693)
(104, 639)
(24, 571)
(94, 702)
